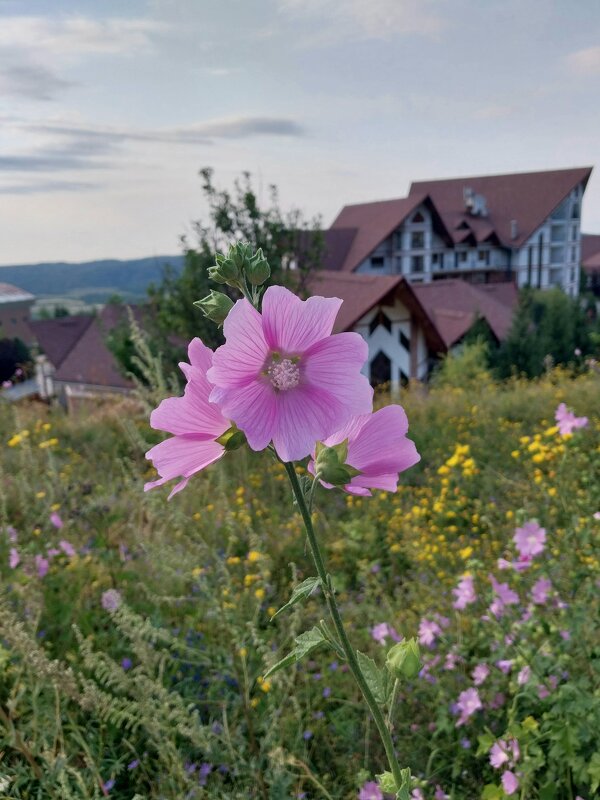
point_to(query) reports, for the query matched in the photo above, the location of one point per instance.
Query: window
(574, 253)
(417, 240)
(575, 211)
(417, 263)
(377, 262)
(403, 378)
(437, 260)
(418, 217)
(572, 274)
(404, 341)
(462, 257)
(380, 369)
(574, 232)
(483, 257)
(380, 319)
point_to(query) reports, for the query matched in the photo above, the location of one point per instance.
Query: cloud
(584, 62)
(342, 20)
(31, 81)
(69, 36)
(47, 187)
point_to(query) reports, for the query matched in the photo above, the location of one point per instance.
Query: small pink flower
(480, 674)
(67, 548)
(428, 632)
(543, 691)
(505, 665)
(596, 515)
(510, 782)
(504, 593)
(111, 600)
(378, 447)
(540, 591)
(524, 676)
(14, 559)
(56, 520)
(530, 539)
(468, 703)
(567, 421)
(195, 423)
(499, 754)
(381, 631)
(370, 791)
(440, 794)
(465, 592)
(282, 377)
(42, 565)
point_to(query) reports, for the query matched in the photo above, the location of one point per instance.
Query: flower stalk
(349, 653)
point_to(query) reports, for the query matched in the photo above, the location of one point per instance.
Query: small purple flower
(510, 782)
(440, 794)
(108, 785)
(42, 565)
(524, 676)
(504, 593)
(56, 520)
(307, 735)
(14, 559)
(12, 533)
(133, 764)
(505, 665)
(111, 600)
(465, 744)
(480, 673)
(464, 593)
(567, 421)
(540, 591)
(326, 692)
(382, 630)
(126, 663)
(370, 791)
(204, 772)
(468, 703)
(67, 548)
(428, 632)
(499, 754)
(530, 539)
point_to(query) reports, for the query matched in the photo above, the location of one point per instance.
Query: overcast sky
(109, 109)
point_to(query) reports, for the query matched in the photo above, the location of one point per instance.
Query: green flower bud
(404, 659)
(232, 439)
(228, 269)
(216, 306)
(330, 464)
(386, 782)
(258, 269)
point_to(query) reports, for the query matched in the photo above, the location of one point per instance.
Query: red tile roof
(13, 294)
(526, 197)
(590, 252)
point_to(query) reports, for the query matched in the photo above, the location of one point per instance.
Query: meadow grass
(162, 697)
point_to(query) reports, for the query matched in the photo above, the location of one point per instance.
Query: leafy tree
(292, 244)
(14, 353)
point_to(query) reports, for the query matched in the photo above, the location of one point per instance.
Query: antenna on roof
(474, 203)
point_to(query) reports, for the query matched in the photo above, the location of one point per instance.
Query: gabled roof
(455, 305)
(528, 198)
(57, 337)
(590, 252)
(12, 294)
(445, 309)
(90, 361)
(371, 224)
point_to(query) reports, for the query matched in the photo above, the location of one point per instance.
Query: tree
(14, 355)
(292, 245)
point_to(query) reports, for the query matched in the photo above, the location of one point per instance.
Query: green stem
(384, 733)
(392, 703)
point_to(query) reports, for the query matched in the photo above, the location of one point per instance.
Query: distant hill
(91, 281)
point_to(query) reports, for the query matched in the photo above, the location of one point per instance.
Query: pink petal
(200, 355)
(381, 445)
(305, 415)
(292, 325)
(254, 410)
(190, 414)
(241, 359)
(181, 456)
(333, 365)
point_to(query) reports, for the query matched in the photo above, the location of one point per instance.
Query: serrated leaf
(300, 592)
(305, 644)
(373, 676)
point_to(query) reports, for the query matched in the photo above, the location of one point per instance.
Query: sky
(108, 110)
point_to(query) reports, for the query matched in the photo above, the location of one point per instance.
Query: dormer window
(418, 217)
(377, 262)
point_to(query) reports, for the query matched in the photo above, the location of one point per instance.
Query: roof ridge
(501, 175)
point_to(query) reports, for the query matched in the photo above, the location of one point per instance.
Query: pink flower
(498, 754)
(56, 520)
(505, 665)
(510, 782)
(540, 591)
(530, 539)
(67, 548)
(378, 447)
(504, 593)
(42, 565)
(14, 559)
(519, 566)
(417, 794)
(282, 377)
(381, 631)
(567, 421)
(468, 703)
(195, 423)
(370, 791)
(111, 600)
(480, 673)
(428, 632)
(524, 676)
(596, 515)
(464, 592)
(440, 794)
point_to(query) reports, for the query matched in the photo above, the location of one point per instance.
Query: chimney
(514, 229)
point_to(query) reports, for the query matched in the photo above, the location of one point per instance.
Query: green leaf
(403, 791)
(305, 644)
(594, 771)
(300, 592)
(492, 792)
(373, 676)
(486, 740)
